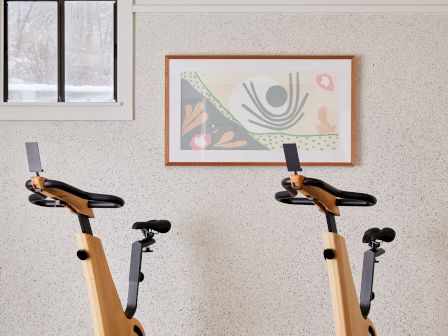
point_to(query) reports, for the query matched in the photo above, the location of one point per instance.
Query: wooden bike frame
(347, 314)
(108, 316)
(350, 314)
(346, 310)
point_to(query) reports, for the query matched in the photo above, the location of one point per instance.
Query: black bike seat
(161, 226)
(387, 235)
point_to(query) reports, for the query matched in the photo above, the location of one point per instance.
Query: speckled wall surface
(236, 262)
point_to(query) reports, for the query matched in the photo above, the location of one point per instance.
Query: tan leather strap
(323, 199)
(75, 203)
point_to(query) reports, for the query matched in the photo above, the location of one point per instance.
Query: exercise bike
(109, 318)
(350, 315)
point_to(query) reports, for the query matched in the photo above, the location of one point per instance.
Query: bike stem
(135, 274)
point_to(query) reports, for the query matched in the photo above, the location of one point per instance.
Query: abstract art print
(239, 110)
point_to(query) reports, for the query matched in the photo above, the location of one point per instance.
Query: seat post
(85, 224)
(331, 222)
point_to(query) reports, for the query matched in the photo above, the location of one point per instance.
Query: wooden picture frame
(205, 144)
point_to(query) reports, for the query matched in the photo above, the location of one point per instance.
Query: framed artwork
(239, 110)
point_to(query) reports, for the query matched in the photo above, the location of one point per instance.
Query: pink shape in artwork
(325, 82)
(200, 141)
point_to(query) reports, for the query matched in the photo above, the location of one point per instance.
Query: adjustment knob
(82, 254)
(329, 254)
(141, 277)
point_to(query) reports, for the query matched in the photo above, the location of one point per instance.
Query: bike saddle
(161, 226)
(371, 235)
(317, 192)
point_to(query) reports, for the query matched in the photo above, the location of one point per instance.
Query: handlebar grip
(41, 200)
(103, 205)
(285, 197)
(352, 202)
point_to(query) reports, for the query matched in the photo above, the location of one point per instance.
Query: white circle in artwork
(200, 142)
(269, 93)
(325, 81)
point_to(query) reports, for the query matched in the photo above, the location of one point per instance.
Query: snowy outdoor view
(33, 51)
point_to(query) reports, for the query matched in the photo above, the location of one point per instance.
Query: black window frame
(60, 46)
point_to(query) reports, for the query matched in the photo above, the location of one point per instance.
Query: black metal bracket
(84, 222)
(135, 275)
(331, 222)
(368, 271)
(61, 50)
(5, 52)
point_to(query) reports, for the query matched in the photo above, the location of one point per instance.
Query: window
(70, 59)
(30, 52)
(59, 51)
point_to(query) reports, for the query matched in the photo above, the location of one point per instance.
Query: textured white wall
(236, 262)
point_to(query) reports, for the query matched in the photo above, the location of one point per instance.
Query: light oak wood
(76, 204)
(323, 199)
(167, 108)
(107, 312)
(346, 311)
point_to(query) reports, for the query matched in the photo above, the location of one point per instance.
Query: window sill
(66, 111)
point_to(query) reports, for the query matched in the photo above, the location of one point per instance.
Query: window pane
(89, 51)
(32, 51)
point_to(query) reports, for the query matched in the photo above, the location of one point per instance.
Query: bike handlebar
(345, 198)
(41, 200)
(93, 200)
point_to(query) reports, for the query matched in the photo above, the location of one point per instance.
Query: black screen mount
(32, 153)
(292, 157)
